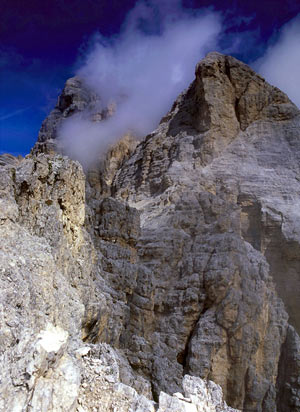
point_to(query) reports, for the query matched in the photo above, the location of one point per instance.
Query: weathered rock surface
(75, 98)
(177, 257)
(228, 144)
(8, 159)
(56, 290)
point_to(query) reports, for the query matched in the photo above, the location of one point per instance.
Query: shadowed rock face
(181, 253)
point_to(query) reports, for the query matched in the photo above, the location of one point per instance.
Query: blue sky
(42, 43)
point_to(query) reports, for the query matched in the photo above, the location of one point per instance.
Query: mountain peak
(231, 81)
(226, 97)
(175, 256)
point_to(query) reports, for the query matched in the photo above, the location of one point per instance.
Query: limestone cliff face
(175, 257)
(217, 187)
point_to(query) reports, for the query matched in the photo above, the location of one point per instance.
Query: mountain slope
(180, 252)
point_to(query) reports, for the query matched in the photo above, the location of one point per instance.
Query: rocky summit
(166, 277)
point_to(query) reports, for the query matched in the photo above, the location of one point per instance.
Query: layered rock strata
(174, 257)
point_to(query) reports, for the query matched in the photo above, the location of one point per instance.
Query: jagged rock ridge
(179, 269)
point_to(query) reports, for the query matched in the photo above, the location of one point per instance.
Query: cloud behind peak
(281, 61)
(142, 69)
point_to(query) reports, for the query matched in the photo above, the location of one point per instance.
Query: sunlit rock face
(174, 257)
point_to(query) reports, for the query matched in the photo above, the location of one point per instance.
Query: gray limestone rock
(228, 140)
(75, 97)
(288, 396)
(10, 160)
(175, 258)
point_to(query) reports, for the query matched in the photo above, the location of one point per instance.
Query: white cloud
(281, 62)
(142, 71)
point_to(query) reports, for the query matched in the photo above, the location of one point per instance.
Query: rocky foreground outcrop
(173, 263)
